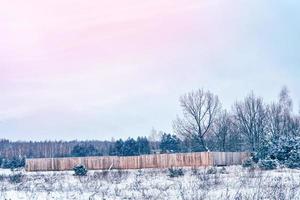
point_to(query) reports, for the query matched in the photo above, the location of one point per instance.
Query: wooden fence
(138, 162)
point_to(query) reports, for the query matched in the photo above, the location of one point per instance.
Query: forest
(268, 130)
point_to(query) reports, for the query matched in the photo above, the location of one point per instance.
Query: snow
(228, 183)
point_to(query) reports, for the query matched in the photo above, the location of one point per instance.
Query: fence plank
(138, 162)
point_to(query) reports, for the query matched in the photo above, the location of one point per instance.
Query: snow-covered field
(210, 183)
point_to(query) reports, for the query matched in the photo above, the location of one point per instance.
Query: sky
(97, 69)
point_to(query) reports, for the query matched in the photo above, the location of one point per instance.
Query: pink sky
(68, 32)
(78, 67)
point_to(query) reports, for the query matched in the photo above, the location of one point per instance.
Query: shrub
(261, 154)
(223, 171)
(285, 150)
(13, 163)
(212, 170)
(16, 178)
(294, 159)
(80, 170)
(203, 177)
(195, 171)
(2, 177)
(175, 172)
(268, 164)
(248, 163)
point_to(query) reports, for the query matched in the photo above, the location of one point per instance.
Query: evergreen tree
(196, 146)
(15, 162)
(80, 170)
(286, 150)
(130, 147)
(83, 151)
(118, 148)
(143, 146)
(170, 143)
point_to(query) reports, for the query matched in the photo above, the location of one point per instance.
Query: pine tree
(119, 148)
(170, 143)
(143, 146)
(83, 151)
(130, 147)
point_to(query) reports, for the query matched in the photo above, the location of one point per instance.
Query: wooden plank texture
(138, 162)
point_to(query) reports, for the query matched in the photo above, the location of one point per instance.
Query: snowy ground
(224, 183)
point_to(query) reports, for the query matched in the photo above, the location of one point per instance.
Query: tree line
(250, 125)
(48, 149)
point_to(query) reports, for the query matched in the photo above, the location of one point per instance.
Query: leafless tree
(250, 118)
(154, 138)
(222, 131)
(285, 100)
(42, 149)
(200, 109)
(281, 121)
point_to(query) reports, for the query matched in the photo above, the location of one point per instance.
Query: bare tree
(154, 138)
(285, 101)
(250, 118)
(200, 109)
(281, 121)
(222, 130)
(42, 149)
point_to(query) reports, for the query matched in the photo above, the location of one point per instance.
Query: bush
(2, 177)
(175, 172)
(294, 160)
(80, 170)
(195, 171)
(268, 164)
(13, 163)
(212, 170)
(16, 178)
(285, 150)
(255, 157)
(248, 163)
(223, 171)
